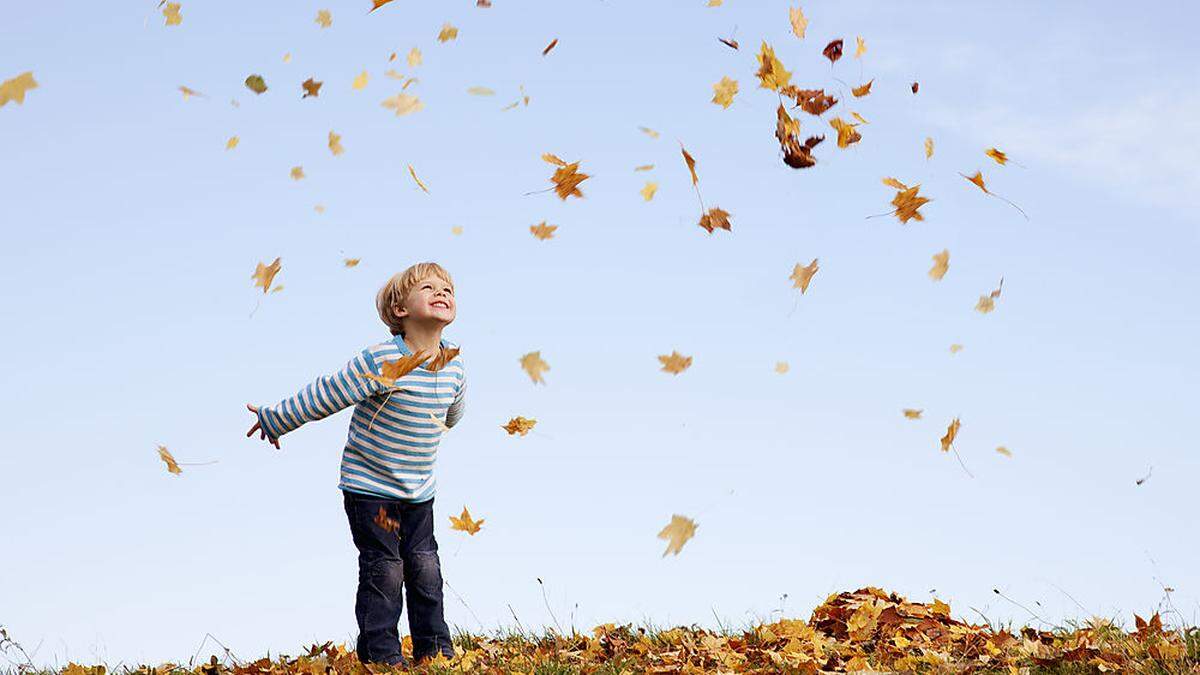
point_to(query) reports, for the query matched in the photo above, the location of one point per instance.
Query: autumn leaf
(649, 132)
(413, 173)
(811, 101)
(860, 48)
(566, 181)
(324, 18)
(414, 57)
(648, 190)
(677, 532)
(165, 455)
(171, 14)
(386, 522)
(728, 42)
(188, 92)
(534, 366)
(771, 73)
(862, 89)
(265, 274)
(833, 51)
(951, 434)
(987, 303)
(787, 131)
(543, 231)
(674, 362)
(861, 624)
(376, 4)
(335, 144)
(403, 104)
(1004, 451)
(287, 58)
(319, 208)
(913, 413)
(781, 367)
(232, 142)
(551, 158)
(907, 201)
(977, 179)
(390, 371)
(799, 23)
(955, 348)
(351, 262)
(360, 81)
(847, 133)
(457, 229)
(444, 357)
(997, 155)
(724, 91)
(715, 218)
(480, 91)
(860, 118)
(928, 147)
(941, 263)
(256, 84)
(311, 88)
(464, 523)
(297, 172)
(892, 182)
(643, 167)
(691, 164)
(803, 274)
(447, 33)
(550, 46)
(915, 87)
(519, 425)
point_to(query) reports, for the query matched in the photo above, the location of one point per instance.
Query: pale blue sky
(130, 236)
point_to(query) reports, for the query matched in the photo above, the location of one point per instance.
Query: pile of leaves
(864, 630)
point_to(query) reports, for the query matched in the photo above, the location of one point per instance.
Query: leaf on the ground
(165, 455)
(715, 218)
(297, 173)
(566, 179)
(798, 21)
(674, 362)
(860, 47)
(335, 144)
(464, 523)
(534, 366)
(256, 84)
(519, 425)
(771, 73)
(648, 190)
(941, 263)
(171, 14)
(265, 274)
(324, 18)
(988, 302)
(862, 89)
(360, 81)
(447, 33)
(928, 147)
(951, 434)
(724, 91)
(414, 57)
(412, 172)
(543, 231)
(833, 50)
(403, 104)
(677, 533)
(443, 358)
(803, 274)
(550, 46)
(913, 413)
(386, 522)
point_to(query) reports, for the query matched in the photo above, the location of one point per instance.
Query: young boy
(388, 459)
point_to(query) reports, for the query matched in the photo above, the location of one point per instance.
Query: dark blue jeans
(388, 561)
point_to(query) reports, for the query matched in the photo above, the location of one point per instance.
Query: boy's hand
(262, 432)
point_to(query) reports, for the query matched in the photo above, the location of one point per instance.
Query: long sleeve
(323, 397)
(455, 412)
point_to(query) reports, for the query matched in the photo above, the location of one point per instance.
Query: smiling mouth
(440, 303)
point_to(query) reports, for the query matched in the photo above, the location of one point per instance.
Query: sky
(131, 319)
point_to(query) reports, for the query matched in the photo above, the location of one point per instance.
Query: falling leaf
(977, 179)
(1000, 157)
(955, 348)
(287, 58)
(715, 218)
(311, 88)
(444, 357)
(781, 367)
(915, 87)
(728, 42)
(674, 362)
(858, 117)
(787, 130)
(1004, 451)
(860, 48)
(413, 173)
(351, 262)
(543, 231)
(376, 4)
(297, 172)
(480, 91)
(862, 89)
(799, 23)
(519, 425)
(171, 13)
(277, 288)
(550, 46)
(534, 366)
(256, 84)
(811, 101)
(771, 73)
(447, 33)
(232, 143)
(643, 167)
(335, 144)
(165, 455)
(551, 158)
(456, 230)
(941, 263)
(1145, 478)
(648, 190)
(188, 92)
(649, 132)
(360, 81)
(483, 3)
(265, 274)
(928, 147)
(951, 434)
(913, 413)
(566, 181)
(988, 302)
(464, 523)
(319, 208)
(892, 182)
(386, 522)
(724, 91)
(437, 421)
(324, 18)
(907, 201)
(833, 51)
(390, 371)
(847, 133)
(802, 274)
(403, 104)
(677, 532)
(691, 163)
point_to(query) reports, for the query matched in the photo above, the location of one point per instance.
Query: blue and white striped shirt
(393, 442)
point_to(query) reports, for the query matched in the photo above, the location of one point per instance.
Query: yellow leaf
(648, 190)
(862, 89)
(519, 425)
(413, 173)
(335, 144)
(390, 371)
(447, 33)
(677, 533)
(464, 523)
(675, 362)
(724, 91)
(987, 303)
(287, 58)
(955, 348)
(543, 231)
(643, 167)
(324, 18)
(1004, 451)
(188, 92)
(232, 143)
(908, 202)
(928, 147)
(941, 263)
(264, 274)
(297, 172)
(14, 89)
(997, 155)
(913, 413)
(771, 73)
(457, 229)
(799, 23)
(951, 434)
(165, 455)
(977, 179)
(860, 48)
(714, 3)
(567, 179)
(802, 274)
(403, 104)
(715, 218)
(551, 158)
(649, 132)
(892, 182)
(171, 13)
(256, 84)
(480, 91)
(858, 117)
(781, 367)
(534, 366)
(414, 57)
(352, 262)
(847, 133)
(862, 623)
(360, 81)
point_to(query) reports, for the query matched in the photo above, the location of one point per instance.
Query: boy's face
(430, 300)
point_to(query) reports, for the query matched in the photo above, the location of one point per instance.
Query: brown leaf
(715, 218)
(847, 132)
(519, 425)
(833, 51)
(444, 357)
(165, 455)
(731, 43)
(566, 181)
(912, 413)
(691, 163)
(795, 154)
(674, 362)
(951, 434)
(265, 274)
(771, 73)
(811, 101)
(543, 231)
(803, 274)
(256, 84)
(393, 370)
(862, 89)
(987, 303)
(550, 46)
(534, 366)
(915, 87)
(383, 520)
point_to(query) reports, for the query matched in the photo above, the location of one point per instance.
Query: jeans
(388, 561)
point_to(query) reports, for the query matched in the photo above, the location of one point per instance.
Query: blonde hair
(398, 287)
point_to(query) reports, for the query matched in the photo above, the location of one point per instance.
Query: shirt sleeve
(455, 412)
(323, 397)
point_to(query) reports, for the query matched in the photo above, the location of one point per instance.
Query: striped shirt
(393, 441)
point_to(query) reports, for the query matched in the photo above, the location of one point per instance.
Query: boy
(387, 463)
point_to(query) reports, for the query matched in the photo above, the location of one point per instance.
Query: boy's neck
(423, 338)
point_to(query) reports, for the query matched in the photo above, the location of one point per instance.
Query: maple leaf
(691, 163)
(951, 434)
(413, 173)
(297, 172)
(860, 48)
(771, 73)
(324, 18)
(171, 14)
(977, 179)
(390, 371)
(414, 57)
(715, 218)
(781, 367)
(480, 91)
(988, 302)
(444, 357)
(534, 366)
(447, 33)
(519, 425)
(232, 142)
(165, 455)
(674, 362)
(351, 262)
(847, 133)
(386, 522)
(464, 523)
(265, 274)
(997, 155)
(802, 274)
(811, 101)
(566, 181)
(1004, 451)
(907, 201)
(543, 231)
(941, 263)
(787, 130)
(360, 81)
(833, 51)
(928, 147)
(649, 132)
(677, 532)
(799, 23)
(376, 4)
(861, 624)
(256, 84)
(724, 91)
(912, 413)
(862, 89)
(648, 190)
(550, 46)
(335, 144)
(311, 88)
(403, 104)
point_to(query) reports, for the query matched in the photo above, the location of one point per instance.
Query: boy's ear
(399, 311)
